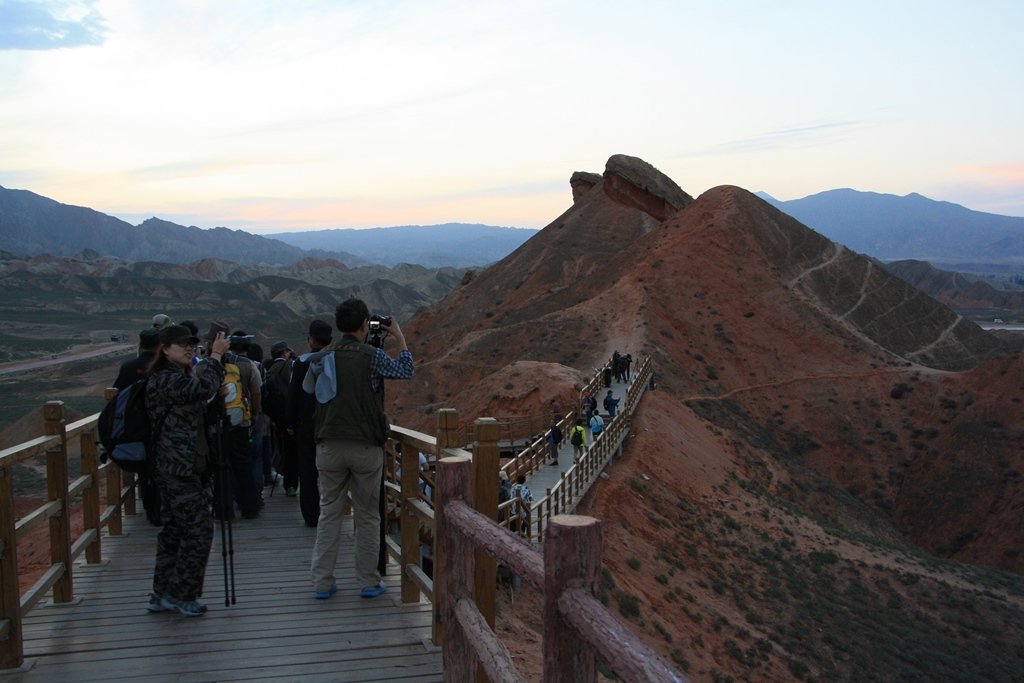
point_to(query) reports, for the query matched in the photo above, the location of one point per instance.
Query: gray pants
(356, 466)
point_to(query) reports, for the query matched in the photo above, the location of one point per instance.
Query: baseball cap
(174, 334)
(149, 337)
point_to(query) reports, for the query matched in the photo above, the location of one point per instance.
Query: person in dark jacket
(555, 439)
(175, 397)
(130, 372)
(135, 369)
(299, 423)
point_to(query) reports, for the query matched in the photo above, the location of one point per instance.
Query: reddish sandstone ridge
(793, 343)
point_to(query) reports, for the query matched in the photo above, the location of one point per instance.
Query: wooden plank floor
(277, 631)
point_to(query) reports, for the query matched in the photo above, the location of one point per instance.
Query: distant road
(21, 366)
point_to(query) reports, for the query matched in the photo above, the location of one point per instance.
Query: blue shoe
(188, 608)
(373, 591)
(327, 593)
(155, 604)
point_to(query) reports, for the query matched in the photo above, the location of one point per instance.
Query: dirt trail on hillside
(810, 378)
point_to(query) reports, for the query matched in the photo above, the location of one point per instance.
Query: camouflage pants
(183, 546)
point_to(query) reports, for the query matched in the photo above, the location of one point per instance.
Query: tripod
(223, 506)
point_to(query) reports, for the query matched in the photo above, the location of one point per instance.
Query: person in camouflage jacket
(175, 398)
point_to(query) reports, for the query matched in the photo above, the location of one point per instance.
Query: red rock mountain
(792, 375)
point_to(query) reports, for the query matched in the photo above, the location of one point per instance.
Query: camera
(240, 340)
(376, 334)
(377, 320)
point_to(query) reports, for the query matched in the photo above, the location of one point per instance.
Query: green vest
(356, 411)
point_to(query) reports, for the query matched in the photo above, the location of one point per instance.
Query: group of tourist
(213, 442)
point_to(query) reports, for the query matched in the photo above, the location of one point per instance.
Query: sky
(273, 116)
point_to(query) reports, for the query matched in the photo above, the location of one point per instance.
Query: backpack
(124, 430)
(577, 437)
(236, 403)
(275, 391)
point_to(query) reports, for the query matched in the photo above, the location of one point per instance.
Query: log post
(572, 559)
(11, 646)
(91, 495)
(448, 435)
(453, 576)
(57, 490)
(486, 461)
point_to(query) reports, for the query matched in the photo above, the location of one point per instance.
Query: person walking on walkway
(596, 425)
(351, 429)
(555, 439)
(610, 405)
(521, 494)
(578, 439)
(175, 397)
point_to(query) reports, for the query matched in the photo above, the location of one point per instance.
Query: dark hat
(215, 327)
(149, 337)
(278, 348)
(174, 334)
(318, 328)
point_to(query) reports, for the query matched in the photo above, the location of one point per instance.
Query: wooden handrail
(568, 574)
(54, 513)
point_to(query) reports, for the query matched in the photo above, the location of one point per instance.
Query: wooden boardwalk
(277, 631)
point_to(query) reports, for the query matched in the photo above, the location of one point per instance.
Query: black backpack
(577, 437)
(124, 430)
(275, 391)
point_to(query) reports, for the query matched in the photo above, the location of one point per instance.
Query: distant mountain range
(893, 228)
(886, 227)
(460, 245)
(31, 224)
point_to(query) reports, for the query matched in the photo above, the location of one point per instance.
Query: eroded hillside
(817, 424)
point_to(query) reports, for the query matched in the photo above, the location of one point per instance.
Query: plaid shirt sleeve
(384, 366)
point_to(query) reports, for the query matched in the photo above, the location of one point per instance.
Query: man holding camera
(351, 429)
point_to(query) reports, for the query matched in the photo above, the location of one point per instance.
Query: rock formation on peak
(583, 182)
(634, 182)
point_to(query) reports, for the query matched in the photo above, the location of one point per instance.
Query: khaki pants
(356, 466)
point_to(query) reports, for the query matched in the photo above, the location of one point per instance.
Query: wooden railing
(529, 459)
(512, 428)
(417, 516)
(578, 629)
(562, 498)
(56, 512)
